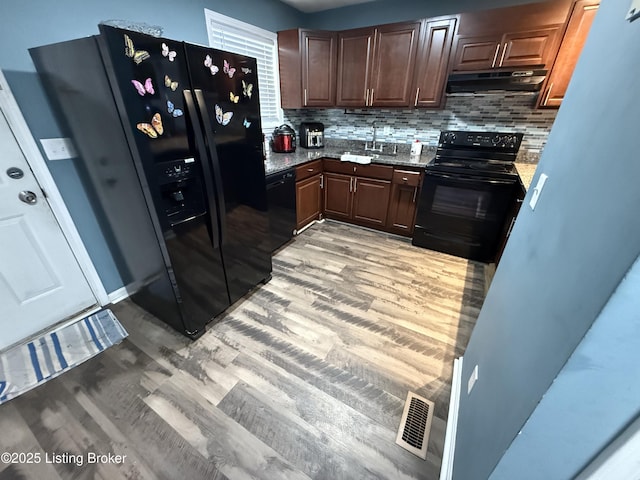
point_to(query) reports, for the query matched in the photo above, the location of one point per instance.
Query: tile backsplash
(484, 112)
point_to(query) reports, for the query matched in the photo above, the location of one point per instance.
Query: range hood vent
(502, 81)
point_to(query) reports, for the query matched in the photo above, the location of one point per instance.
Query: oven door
(462, 214)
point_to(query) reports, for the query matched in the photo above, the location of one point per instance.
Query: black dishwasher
(281, 194)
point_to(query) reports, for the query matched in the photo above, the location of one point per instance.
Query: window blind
(226, 33)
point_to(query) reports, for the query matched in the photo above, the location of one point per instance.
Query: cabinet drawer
(406, 177)
(308, 169)
(382, 172)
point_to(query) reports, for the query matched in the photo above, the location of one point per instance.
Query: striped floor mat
(28, 365)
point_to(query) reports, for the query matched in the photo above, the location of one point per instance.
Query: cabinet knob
(405, 179)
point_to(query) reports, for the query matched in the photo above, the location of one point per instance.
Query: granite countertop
(278, 162)
(526, 172)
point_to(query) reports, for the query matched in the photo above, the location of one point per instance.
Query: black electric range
(467, 192)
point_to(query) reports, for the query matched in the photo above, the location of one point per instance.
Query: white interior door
(41, 282)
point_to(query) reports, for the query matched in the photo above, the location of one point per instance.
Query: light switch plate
(537, 190)
(58, 148)
(634, 10)
(472, 379)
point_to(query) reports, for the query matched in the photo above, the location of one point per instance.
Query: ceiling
(310, 6)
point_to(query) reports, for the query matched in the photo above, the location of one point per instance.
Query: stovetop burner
(477, 153)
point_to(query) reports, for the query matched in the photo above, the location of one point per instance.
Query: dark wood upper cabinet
(406, 64)
(432, 62)
(394, 61)
(376, 65)
(513, 49)
(522, 36)
(307, 60)
(355, 49)
(582, 15)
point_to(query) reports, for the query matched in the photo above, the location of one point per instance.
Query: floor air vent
(413, 434)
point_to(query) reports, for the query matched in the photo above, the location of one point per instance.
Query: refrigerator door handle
(215, 164)
(204, 160)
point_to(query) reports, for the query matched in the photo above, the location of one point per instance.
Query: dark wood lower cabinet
(338, 197)
(403, 203)
(356, 199)
(308, 200)
(375, 196)
(370, 201)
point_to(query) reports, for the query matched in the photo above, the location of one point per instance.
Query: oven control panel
(492, 140)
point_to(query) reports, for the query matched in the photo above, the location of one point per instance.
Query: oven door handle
(466, 179)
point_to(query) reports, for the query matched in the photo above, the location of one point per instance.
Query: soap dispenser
(416, 147)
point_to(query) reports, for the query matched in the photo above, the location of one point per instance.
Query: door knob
(28, 197)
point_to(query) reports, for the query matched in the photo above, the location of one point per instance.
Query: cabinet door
(354, 56)
(578, 28)
(338, 198)
(432, 61)
(319, 54)
(308, 201)
(528, 48)
(371, 201)
(393, 65)
(477, 53)
(404, 197)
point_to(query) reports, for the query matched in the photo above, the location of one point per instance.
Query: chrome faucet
(373, 147)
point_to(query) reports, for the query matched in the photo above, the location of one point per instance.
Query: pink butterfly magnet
(144, 89)
(228, 70)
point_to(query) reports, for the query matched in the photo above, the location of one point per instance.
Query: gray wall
(31, 23)
(563, 260)
(591, 401)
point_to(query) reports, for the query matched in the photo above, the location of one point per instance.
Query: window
(226, 33)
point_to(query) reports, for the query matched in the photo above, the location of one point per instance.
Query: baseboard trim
(123, 293)
(446, 470)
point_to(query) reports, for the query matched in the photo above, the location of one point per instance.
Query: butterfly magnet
(223, 118)
(152, 129)
(228, 69)
(234, 98)
(170, 83)
(138, 56)
(246, 70)
(246, 123)
(176, 112)
(247, 89)
(208, 62)
(170, 54)
(144, 89)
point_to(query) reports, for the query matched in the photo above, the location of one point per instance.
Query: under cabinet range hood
(504, 80)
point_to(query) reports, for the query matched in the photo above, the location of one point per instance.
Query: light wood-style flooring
(305, 378)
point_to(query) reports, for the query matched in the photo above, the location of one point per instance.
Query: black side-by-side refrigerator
(170, 141)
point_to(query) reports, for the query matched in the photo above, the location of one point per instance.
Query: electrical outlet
(472, 379)
(58, 148)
